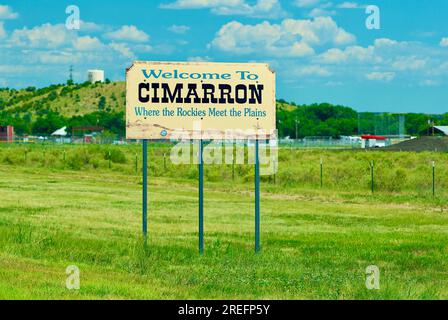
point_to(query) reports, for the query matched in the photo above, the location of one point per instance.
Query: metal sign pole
(145, 189)
(257, 198)
(201, 197)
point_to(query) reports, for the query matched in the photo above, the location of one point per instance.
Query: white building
(95, 76)
(441, 130)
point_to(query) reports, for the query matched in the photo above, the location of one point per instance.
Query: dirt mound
(422, 144)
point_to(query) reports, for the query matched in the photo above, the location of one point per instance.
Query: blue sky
(321, 50)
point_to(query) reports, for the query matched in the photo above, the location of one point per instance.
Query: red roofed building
(374, 141)
(6, 134)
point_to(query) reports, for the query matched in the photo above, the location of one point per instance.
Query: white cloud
(444, 42)
(123, 49)
(199, 4)
(333, 56)
(386, 59)
(49, 49)
(429, 83)
(381, 76)
(290, 38)
(180, 29)
(199, 59)
(409, 63)
(143, 48)
(383, 50)
(349, 55)
(6, 12)
(319, 8)
(86, 26)
(2, 30)
(385, 42)
(44, 36)
(48, 36)
(306, 3)
(261, 8)
(321, 12)
(313, 70)
(128, 33)
(440, 70)
(350, 5)
(319, 31)
(14, 69)
(55, 57)
(87, 43)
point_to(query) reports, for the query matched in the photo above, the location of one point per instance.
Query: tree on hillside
(102, 103)
(52, 96)
(48, 123)
(445, 119)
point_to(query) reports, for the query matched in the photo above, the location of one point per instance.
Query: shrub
(115, 155)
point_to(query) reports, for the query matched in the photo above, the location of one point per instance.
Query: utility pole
(297, 128)
(70, 76)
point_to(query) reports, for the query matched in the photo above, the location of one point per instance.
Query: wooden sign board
(199, 99)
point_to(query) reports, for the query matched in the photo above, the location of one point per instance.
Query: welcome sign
(216, 100)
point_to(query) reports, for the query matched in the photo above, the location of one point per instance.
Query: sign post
(145, 190)
(257, 198)
(201, 196)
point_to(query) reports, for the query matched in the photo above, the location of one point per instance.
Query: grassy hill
(68, 100)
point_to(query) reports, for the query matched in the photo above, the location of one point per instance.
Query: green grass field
(58, 210)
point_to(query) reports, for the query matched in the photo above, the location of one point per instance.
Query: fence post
(136, 164)
(433, 178)
(275, 171)
(233, 167)
(321, 173)
(110, 165)
(26, 152)
(164, 161)
(372, 172)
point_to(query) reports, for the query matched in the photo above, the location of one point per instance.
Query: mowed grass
(316, 244)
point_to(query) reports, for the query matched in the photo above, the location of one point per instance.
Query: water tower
(95, 76)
